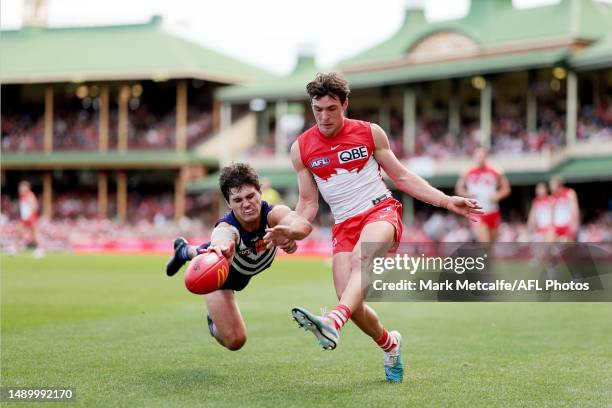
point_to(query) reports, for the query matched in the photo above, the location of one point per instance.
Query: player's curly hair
(331, 84)
(237, 175)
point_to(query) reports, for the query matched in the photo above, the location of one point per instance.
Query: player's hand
(226, 251)
(466, 207)
(289, 247)
(277, 236)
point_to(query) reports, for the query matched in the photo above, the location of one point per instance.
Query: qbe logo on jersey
(353, 154)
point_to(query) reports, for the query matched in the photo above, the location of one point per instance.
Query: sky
(265, 33)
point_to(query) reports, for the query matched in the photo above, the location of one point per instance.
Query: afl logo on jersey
(320, 162)
(355, 153)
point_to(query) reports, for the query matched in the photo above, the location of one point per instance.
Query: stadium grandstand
(540, 98)
(116, 144)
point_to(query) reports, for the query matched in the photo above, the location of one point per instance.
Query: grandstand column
(102, 194)
(280, 138)
(226, 123)
(571, 108)
(454, 113)
(47, 195)
(486, 104)
(122, 131)
(532, 104)
(181, 116)
(48, 136)
(409, 119)
(180, 191)
(384, 110)
(121, 196)
(103, 125)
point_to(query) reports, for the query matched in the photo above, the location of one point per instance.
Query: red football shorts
(346, 234)
(491, 220)
(30, 222)
(565, 231)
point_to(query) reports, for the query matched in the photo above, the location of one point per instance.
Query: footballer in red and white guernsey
(28, 213)
(239, 236)
(342, 158)
(566, 212)
(488, 185)
(540, 217)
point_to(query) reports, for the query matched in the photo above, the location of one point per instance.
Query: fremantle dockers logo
(355, 153)
(323, 161)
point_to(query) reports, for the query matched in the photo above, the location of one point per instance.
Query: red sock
(386, 342)
(340, 316)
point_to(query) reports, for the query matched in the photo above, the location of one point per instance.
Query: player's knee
(236, 341)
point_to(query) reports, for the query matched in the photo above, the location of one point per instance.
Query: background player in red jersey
(566, 212)
(342, 158)
(539, 221)
(488, 185)
(28, 213)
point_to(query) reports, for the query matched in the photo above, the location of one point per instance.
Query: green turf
(124, 334)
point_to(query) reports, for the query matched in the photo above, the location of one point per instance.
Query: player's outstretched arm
(308, 201)
(223, 240)
(411, 183)
(285, 225)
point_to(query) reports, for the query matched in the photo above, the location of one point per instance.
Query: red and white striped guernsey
(344, 168)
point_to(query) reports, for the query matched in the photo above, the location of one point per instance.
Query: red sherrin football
(206, 273)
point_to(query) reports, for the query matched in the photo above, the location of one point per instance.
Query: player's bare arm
(414, 185)
(222, 241)
(308, 201)
(531, 226)
(504, 187)
(575, 210)
(286, 227)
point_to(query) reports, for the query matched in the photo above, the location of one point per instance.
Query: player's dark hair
(237, 175)
(331, 84)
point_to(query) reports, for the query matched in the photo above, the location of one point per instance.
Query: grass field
(125, 335)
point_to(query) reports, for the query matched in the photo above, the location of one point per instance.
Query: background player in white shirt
(28, 213)
(489, 185)
(566, 212)
(539, 221)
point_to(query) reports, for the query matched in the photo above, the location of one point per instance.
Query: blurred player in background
(342, 158)
(269, 194)
(28, 213)
(238, 236)
(566, 212)
(488, 185)
(539, 221)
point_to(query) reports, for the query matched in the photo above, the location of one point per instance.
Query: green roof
(495, 23)
(585, 169)
(145, 159)
(598, 55)
(138, 51)
(461, 68)
(501, 38)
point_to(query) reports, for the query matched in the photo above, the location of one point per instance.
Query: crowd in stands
(22, 132)
(79, 130)
(151, 218)
(509, 135)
